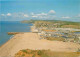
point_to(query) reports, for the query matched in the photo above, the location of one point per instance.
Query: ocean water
(9, 26)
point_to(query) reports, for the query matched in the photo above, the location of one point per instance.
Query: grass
(45, 53)
(78, 50)
(23, 55)
(55, 39)
(24, 51)
(49, 23)
(31, 53)
(70, 25)
(61, 24)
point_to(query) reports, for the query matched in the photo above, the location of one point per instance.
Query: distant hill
(64, 24)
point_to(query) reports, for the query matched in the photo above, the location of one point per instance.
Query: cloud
(19, 15)
(39, 15)
(2, 14)
(32, 13)
(25, 15)
(42, 14)
(52, 12)
(78, 15)
(8, 14)
(66, 17)
(34, 16)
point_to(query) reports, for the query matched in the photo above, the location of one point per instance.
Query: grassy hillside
(49, 23)
(45, 53)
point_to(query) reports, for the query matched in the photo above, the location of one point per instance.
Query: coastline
(31, 40)
(12, 26)
(7, 41)
(14, 35)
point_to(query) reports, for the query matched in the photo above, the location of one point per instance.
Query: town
(54, 31)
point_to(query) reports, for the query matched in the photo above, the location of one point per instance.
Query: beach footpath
(29, 40)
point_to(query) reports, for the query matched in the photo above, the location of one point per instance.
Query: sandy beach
(31, 41)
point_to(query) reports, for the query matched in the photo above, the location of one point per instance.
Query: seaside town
(48, 38)
(53, 31)
(39, 28)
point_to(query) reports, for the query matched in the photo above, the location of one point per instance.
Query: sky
(18, 10)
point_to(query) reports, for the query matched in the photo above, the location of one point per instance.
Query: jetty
(13, 33)
(28, 39)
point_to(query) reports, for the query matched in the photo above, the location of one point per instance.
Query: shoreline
(4, 37)
(13, 36)
(30, 40)
(7, 41)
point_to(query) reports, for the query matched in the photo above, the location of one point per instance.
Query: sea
(12, 26)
